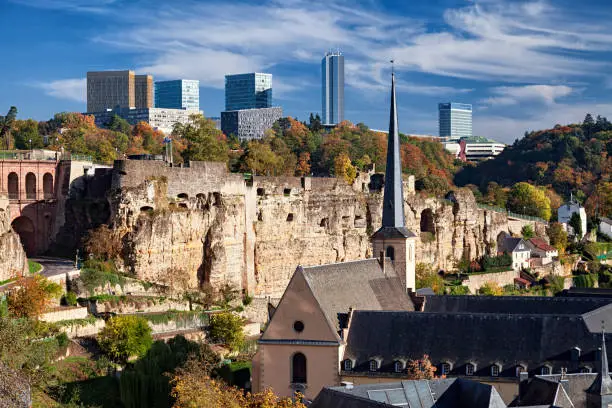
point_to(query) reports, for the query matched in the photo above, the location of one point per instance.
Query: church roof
(359, 285)
(603, 383)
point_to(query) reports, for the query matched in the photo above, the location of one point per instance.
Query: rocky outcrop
(13, 261)
(187, 227)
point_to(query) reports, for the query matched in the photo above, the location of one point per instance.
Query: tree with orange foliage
(32, 296)
(420, 369)
(303, 165)
(193, 387)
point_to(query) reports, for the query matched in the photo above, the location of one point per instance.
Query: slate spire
(393, 205)
(602, 384)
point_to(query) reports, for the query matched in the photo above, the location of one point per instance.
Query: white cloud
(74, 89)
(512, 95)
(88, 6)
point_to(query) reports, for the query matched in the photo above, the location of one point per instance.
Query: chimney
(381, 261)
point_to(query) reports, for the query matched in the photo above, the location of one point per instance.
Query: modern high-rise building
(332, 89)
(248, 91)
(123, 89)
(247, 124)
(178, 94)
(455, 120)
(143, 89)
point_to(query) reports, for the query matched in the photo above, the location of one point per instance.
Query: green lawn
(34, 267)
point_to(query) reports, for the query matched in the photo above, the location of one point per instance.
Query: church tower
(393, 238)
(599, 394)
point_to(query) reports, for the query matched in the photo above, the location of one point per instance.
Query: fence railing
(510, 213)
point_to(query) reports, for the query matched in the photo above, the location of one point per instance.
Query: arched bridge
(30, 186)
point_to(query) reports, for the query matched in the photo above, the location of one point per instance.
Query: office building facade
(248, 91)
(178, 94)
(249, 124)
(158, 118)
(455, 120)
(475, 148)
(143, 91)
(118, 89)
(332, 88)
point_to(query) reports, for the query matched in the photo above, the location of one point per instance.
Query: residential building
(605, 226)
(123, 89)
(332, 88)
(249, 124)
(455, 120)
(475, 148)
(178, 94)
(565, 212)
(248, 91)
(143, 91)
(517, 248)
(159, 118)
(543, 250)
(447, 392)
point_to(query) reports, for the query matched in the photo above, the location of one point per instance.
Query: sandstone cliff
(190, 226)
(13, 259)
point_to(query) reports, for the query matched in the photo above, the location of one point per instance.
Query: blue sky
(523, 64)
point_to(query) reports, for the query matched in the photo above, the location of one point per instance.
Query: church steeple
(393, 205)
(601, 389)
(393, 239)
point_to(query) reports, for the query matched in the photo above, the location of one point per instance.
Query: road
(54, 266)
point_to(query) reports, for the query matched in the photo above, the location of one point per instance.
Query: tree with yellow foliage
(343, 168)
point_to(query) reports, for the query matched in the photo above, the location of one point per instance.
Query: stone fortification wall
(201, 224)
(13, 259)
(474, 282)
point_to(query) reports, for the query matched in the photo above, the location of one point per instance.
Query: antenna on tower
(392, 67)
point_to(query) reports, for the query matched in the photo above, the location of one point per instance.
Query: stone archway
(13, 186)
(48, 186)
(30, 182)
(25, 228)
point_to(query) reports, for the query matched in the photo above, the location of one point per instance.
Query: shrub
(104, 243)
(124, 337)
(426, 277)
(490, 289)
(227, 328)
(246, 299)
(34, 267)
(70, 299)
(94, 278)
(33, 296)
(527, 232)
(62, 340)
(228, 293)
(458, 290)
(585, 281)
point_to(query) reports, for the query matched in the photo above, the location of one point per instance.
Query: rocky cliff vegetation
(13, 259)
(188, 227)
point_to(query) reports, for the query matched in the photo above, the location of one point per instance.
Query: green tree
(558, 237)
(118, 124)
(6, 124)
(576, 223)
(25, 134)
(204, 142)
(527, 199)
(124, 337)
(260, 159)
(227, 328)
(490, 289)
(527, 232)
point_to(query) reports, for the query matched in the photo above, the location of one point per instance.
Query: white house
(605, 226)
(564, 214)
(520, 251)
(542, 249)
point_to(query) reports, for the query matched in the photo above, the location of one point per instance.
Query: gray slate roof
(541, 390)
(393, 232)
(361, 285)
(514, 304)
(438, 393)
(509, 245)
(481, 339)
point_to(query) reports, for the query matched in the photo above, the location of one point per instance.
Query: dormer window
(469, 369)
(373, 365)
(585, 370)
(348, 365)
(494, 370)
(398, 367)
(519, 370)
(445, 368)
(545, 370)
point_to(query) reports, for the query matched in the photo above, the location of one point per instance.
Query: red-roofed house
(542, 249)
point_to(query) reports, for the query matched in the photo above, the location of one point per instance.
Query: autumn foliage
(33, 294)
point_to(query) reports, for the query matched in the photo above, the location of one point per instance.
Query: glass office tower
(178, 94)
(332, 90)
(248, 91)
(455, 120)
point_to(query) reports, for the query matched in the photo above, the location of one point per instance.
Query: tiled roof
(541, 244)
(514, 304)
(478, 338)
(361, 285)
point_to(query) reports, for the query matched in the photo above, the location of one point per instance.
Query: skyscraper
(178, 94)
(123, 89)
(248, 91)
(332, 89)
(455, 120)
